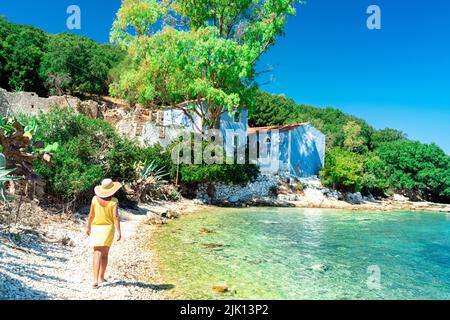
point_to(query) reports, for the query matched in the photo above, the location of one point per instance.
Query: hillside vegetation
(32, 60)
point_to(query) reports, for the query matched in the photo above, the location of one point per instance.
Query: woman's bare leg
(104, 264)
(96, 265)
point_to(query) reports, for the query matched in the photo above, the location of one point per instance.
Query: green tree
(386, 135)
(374, 179)
(270, 110)
(22, 51)
(417, 168)
(343, 170)
(205, 51)
(353, 140)
(5, 30)
(78, 64)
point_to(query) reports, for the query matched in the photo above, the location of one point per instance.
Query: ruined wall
(143, 125)
(30, 103)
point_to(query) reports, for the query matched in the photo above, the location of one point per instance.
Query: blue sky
(396, 77)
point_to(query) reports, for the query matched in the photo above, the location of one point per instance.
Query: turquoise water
(271, 253)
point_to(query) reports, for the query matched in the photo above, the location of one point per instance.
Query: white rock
(319, 267)
(400, 198)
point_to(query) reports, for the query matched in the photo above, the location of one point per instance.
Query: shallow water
(273, 253)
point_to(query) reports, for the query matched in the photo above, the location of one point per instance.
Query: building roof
(279, 128)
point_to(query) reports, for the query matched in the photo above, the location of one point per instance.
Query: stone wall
(223, 192)
(30, 103)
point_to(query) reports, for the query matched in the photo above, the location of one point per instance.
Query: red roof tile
(280, 128)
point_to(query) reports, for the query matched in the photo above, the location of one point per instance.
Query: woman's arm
(90, 220)
(117, 223)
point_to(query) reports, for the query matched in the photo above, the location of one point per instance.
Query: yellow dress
(102, 231)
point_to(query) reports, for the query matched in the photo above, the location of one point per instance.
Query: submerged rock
(319, 267)
(220, 288)
(213, 245)
(205, 230)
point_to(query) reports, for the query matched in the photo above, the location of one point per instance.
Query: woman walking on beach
(103, 223)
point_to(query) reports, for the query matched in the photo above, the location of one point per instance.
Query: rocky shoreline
(53, 260)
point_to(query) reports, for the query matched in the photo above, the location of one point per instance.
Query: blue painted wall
(307, 151)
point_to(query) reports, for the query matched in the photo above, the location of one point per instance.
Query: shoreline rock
(310, 195)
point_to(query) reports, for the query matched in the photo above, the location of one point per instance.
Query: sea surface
(279, 253)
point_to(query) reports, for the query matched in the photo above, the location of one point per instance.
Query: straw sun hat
(107, 189)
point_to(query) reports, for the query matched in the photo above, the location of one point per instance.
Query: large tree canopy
(186, 50)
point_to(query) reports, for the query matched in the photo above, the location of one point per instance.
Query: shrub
(88, 150)
(205, 173)
(227, 173)
(374, 179)
(343, 170)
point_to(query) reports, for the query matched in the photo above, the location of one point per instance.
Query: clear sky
(396, 77)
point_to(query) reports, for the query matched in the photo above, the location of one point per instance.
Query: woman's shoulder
(114, 201)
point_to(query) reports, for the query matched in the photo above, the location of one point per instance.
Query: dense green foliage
(21, 51)
(361, 158)
(343, 170)
(349, 171)
(206, 173)
(31, 60)
(413, 166)
(75, 63)
(88, 151)
(227, 173)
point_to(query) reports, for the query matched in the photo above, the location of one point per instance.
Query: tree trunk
(214, 114)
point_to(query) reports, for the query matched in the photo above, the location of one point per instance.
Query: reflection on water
(271, 253)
